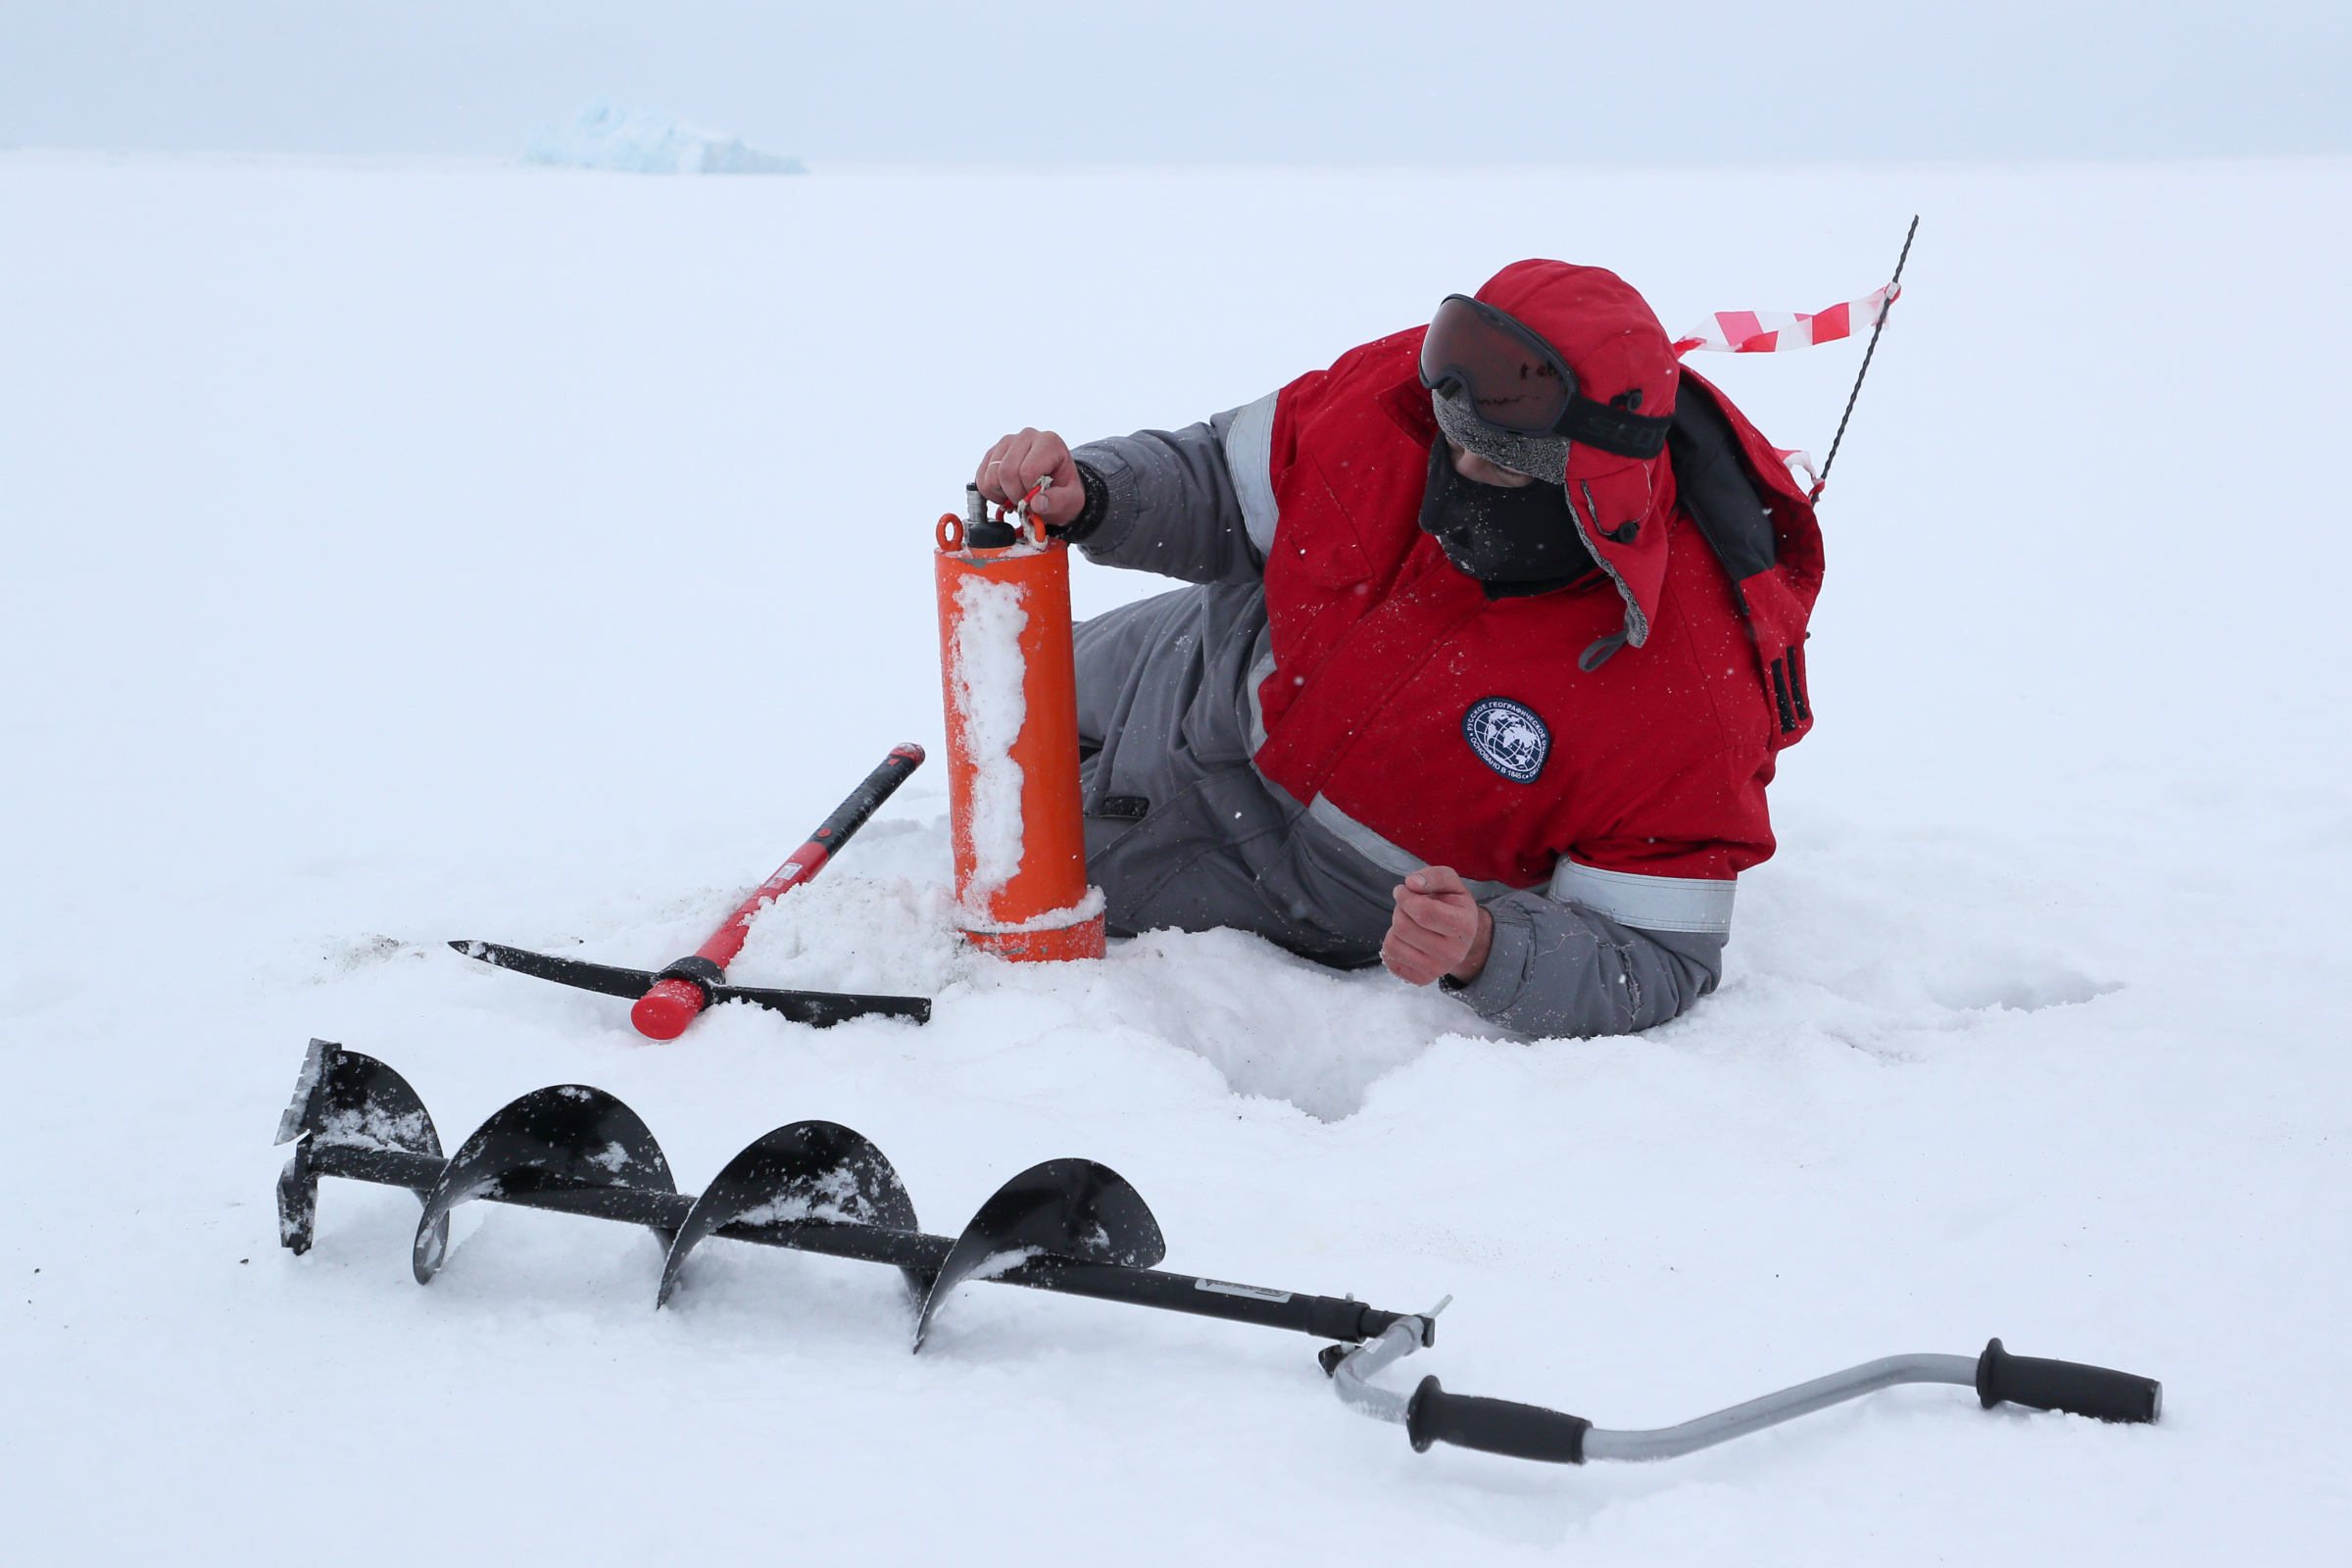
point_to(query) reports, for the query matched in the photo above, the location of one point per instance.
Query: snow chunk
(988, 678)
(371, 1126)
(644, 141)
(995, 1265)
(889, 934)
(833, 1198)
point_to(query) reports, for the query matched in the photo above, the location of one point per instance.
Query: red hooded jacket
(1470, 732)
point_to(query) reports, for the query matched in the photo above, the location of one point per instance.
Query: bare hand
(1015, 465)
(1439, 928)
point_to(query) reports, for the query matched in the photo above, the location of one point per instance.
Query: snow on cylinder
(989, 677)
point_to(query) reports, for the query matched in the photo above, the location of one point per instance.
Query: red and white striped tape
(1778, 332)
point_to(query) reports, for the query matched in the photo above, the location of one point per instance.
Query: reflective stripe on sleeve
(1249, 458)
(1646, 902)
(1386, 854)
(1390, 856)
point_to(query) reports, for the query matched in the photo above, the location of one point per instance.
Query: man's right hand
(1015, 465)
(1439, 928)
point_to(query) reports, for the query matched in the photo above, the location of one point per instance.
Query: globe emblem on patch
(1508, 737)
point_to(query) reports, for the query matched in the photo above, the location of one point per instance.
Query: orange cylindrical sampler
(1011, 693)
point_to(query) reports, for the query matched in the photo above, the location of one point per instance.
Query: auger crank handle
(1431, 1415)
(1492, 1426)
(2069, 1385)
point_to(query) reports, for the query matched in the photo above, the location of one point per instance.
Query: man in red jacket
(1498, 631)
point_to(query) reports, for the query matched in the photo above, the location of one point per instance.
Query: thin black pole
(1893, 290)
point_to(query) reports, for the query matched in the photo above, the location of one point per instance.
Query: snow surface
(392, 564)
(646, 141)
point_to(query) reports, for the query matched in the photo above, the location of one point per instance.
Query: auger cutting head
(360, 1116)
(1068, 1225)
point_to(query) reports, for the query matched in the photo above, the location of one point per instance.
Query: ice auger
(1069, 1225)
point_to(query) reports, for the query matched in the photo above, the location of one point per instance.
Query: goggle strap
(1613, 430)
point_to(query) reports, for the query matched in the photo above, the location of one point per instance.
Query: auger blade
(357, 1106)
(1071, 1209)
(568, 1139)
(811, 1174)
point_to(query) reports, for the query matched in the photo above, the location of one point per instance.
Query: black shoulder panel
(1714, 485)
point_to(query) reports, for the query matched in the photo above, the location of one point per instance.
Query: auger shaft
(1323, 1317)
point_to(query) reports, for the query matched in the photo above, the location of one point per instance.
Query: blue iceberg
(642, 141)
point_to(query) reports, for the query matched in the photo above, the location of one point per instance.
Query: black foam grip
(2069, 1385)
(1492, 1426)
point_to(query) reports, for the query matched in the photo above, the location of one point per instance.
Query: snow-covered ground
(399, 553)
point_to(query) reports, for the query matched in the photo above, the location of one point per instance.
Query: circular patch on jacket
(1508, 737)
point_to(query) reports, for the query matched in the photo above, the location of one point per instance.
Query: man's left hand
(1439, 928)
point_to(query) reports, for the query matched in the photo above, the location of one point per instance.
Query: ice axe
(669, 1000)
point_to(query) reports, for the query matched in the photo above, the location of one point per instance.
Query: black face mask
(1514, 541)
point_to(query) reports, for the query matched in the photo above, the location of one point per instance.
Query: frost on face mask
(988, 680)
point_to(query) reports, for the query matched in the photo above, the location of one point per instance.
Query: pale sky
(1045, 81)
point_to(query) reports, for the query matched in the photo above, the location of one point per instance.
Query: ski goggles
(1519, 384)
